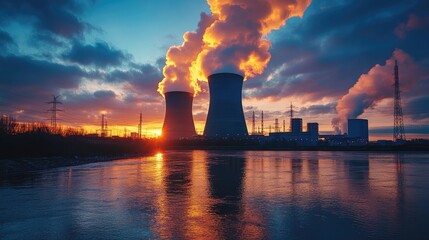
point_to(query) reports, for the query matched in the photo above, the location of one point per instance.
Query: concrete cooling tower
(178, 121)
(225, 117)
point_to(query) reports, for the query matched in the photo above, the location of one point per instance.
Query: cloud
(409, 129)
(27, 83)
(376, 85)
(178, 60)
(100, 54)
(27, 72)
(321, 55)
(104, 94)
(60, 17)
(413, 23)
(417, 108)
(318, 109)
(141, 77)
(231, 39)
(5, 40)
(85, 108)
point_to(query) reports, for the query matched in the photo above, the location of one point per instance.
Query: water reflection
(225, 195)
(226, 180)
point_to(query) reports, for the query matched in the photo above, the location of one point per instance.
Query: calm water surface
(224, 195)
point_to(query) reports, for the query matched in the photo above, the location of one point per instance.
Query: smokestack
(225, 116)
(178, 121)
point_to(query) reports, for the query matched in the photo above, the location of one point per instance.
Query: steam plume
(375, 86)
(232, 39)
(176, 71)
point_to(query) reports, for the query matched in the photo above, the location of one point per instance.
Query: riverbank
(20, 166)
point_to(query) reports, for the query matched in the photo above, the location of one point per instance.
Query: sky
(332, 60)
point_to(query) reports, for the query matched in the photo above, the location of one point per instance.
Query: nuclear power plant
(225, 117)
(178, 121)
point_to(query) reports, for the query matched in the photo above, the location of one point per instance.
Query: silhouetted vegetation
(38, 140)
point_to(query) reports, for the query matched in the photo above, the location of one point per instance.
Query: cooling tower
(178, 121)
(225, 116)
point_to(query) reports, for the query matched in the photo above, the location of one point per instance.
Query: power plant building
(178, 121)
(225, 117)
(313, 128)
(297, 136)
(358, 131)
(296, 125)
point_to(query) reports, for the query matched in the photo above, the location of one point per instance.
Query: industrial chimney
(225, 116)
(178, 121)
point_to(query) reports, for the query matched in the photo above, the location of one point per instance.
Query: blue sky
(108, 56)
(145, 28)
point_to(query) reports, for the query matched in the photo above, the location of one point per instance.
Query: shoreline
(21, 166)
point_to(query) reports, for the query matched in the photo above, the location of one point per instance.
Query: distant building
(296, 125)
(313, 128)
(297, 136)
(358, 131)
(134, 135)
(301, 139)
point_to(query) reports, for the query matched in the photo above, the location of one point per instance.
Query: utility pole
(140, 126)
(398, 125)
(54, 111)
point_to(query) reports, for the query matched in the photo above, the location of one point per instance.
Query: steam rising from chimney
(375, 86)
(176, 71)
(232, 39)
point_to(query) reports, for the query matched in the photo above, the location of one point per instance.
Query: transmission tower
(276, 125)
(398, 126)
(140, 126)
(291, 116)
(262, 123)
(103, 126)
(54, 111)
(253, 123)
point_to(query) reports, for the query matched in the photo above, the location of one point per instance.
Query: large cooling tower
(178, 121)
(225, 116)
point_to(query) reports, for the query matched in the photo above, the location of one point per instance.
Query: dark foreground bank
(23, 153)
(19, 166)
(29, 152)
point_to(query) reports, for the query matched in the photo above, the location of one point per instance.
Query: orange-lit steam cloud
(375, 86)
(176, 71)
(232, 39)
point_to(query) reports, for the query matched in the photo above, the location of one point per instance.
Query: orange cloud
(232, 39)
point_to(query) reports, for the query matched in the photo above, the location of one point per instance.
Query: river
(224, 195)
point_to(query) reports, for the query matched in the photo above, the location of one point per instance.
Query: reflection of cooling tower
(178, 121)
(225, 117)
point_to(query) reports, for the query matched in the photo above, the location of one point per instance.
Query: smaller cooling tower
(178, 121)
(225, 117)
